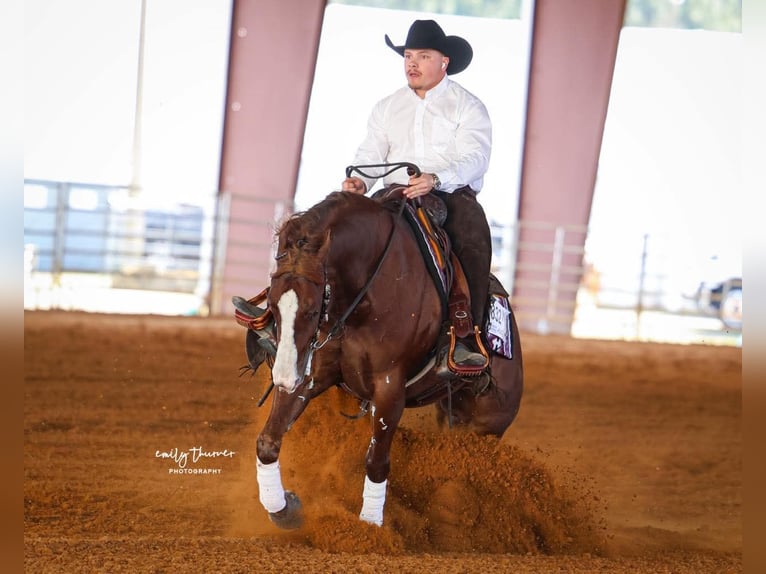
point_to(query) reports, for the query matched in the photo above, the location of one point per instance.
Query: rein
(412, 169)
(316, 344)
(339, 324)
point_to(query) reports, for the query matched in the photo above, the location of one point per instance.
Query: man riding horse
(337, 312)
(437, 124)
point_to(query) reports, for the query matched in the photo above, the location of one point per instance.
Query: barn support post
(574, 46)
(272, 58)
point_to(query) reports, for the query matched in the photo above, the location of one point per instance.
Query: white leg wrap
(374, 500)
(271, 492)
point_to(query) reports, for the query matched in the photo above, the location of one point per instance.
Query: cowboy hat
(428, 35)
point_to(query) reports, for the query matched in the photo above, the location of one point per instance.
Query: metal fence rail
(110, 236)
(88, 244)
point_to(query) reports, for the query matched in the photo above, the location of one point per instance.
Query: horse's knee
(268, 449)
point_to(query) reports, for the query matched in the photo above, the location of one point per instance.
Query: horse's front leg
(283, 506)
(386, 411)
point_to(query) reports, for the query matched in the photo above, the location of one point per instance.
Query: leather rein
(412, 169)
(316, 344)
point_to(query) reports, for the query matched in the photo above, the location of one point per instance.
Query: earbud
(444, 65)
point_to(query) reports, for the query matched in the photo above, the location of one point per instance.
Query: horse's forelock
(302, 236)
(300, 240)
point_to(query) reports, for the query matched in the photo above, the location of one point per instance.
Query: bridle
(316, 341)
(412, 169)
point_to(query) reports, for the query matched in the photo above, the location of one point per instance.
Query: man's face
(424, 69)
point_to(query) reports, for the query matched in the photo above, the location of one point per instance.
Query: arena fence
(109, 249)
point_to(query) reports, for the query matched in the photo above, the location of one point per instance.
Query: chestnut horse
(355, 306)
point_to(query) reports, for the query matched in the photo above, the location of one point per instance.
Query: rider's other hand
(354, 185)
(419, 185)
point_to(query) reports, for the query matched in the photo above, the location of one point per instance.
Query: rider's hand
(354, 185)
(419, 185)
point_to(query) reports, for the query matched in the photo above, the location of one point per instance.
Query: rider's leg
(471, 239)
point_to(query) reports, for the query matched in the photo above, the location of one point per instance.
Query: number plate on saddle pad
(498, 326)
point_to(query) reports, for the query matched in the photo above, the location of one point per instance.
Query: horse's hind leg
(386, 412)
(491, 412)
(496, 409)
(457, 411)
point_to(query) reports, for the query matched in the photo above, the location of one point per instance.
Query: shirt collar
(439, 88)
(436, 91)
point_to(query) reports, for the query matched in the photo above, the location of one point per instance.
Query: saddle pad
(498, 326)
(431, 260)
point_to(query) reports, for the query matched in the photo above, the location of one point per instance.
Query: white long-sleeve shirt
(448, 133)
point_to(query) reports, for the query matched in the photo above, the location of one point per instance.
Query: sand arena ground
(625, 457)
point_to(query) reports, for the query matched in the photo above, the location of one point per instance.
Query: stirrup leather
(466, 370)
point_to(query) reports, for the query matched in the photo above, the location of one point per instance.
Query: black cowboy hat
(427, 34)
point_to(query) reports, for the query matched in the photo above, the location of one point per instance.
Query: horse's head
(297, 299)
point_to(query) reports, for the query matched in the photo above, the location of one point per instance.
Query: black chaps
(471, 239)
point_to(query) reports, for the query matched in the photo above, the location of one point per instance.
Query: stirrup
(466, 370)
(248, 314)
(260, 321)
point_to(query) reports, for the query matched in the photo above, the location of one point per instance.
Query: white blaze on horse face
(284, 373)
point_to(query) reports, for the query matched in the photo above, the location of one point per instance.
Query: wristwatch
(437, 181)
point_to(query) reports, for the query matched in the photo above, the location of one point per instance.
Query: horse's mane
(302, 235)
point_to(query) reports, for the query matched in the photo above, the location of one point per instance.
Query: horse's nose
(285, 382)
(289, 389)
(284, 373)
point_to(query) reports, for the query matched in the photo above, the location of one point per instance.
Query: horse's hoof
(291, 516)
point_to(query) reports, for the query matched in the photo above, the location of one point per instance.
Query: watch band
(437, 181)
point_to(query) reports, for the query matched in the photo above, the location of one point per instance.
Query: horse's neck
(359, 243)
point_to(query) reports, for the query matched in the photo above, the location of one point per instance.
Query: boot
(463, 356)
